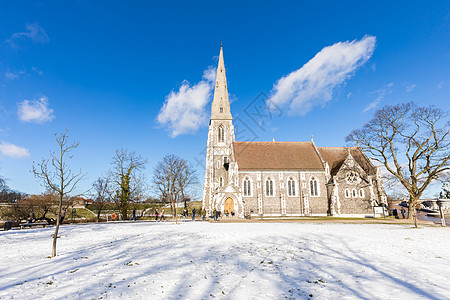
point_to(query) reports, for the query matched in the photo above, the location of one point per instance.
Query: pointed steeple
(220, 108)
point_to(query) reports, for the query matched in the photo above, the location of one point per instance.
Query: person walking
(133, 218)
(156, 214)
(215, 215)
(162, 216)
(184, 215)
(204, 214)
(193, 214)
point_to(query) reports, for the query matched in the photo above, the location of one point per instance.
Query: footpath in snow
(227, 261)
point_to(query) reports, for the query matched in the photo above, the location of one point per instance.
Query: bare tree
(2, 183)
(56, 175)
(187, 179)
(128, 183)
(173, 176)
(9, 196)
(411, 142)
(42, 204)
(15, 212)
(102, 194)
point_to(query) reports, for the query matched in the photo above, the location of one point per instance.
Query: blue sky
(104, 69)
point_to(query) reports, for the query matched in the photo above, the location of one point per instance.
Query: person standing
(193, 214)
(156, 214)
(204, 214)
(403, 211)
(215, 215)
(63, 215)
(395, 213)
(184, 215)
(133, 217)
(31, 217)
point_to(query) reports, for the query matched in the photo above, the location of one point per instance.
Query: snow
(203, 260)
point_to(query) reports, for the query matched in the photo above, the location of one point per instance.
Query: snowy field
(227, 261)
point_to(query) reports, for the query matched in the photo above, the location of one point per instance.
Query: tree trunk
(415, 218)
(124, 206)
(124, 211)
(175, 211)
(58, 218)
(412, 210)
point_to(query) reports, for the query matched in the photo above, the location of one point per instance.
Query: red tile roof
(276, 156)
(335, 157)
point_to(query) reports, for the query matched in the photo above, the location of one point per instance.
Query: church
(283, 178)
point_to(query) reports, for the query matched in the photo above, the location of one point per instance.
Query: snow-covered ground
(227, 261)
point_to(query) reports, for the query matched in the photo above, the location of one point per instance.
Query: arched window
(313, 187)
(269, 187)
(220, 181)
(221, 136)
(361, 193)
(347, 193)
(291, 187)
(354, 194)
(247, 187)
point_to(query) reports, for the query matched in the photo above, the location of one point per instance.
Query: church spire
(220, 108)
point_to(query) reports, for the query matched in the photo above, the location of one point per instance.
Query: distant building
(80, 202)
(283, 178)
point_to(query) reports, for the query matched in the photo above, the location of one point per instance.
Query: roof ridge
(339, 147)
(271, 142)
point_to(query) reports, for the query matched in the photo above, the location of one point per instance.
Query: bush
(14, 212)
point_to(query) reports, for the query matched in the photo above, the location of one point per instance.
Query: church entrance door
(229, 206)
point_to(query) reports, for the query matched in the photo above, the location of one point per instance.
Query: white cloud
(13, 75)
(33, 32)
(35, 111)
(440, 84)
(380, 94)
(184, 110)
(34, 69)
(374, 67)
(209, 74)
(13, 151)
(313, 84)
(409, 88)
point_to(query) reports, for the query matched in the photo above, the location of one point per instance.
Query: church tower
(218, 174)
